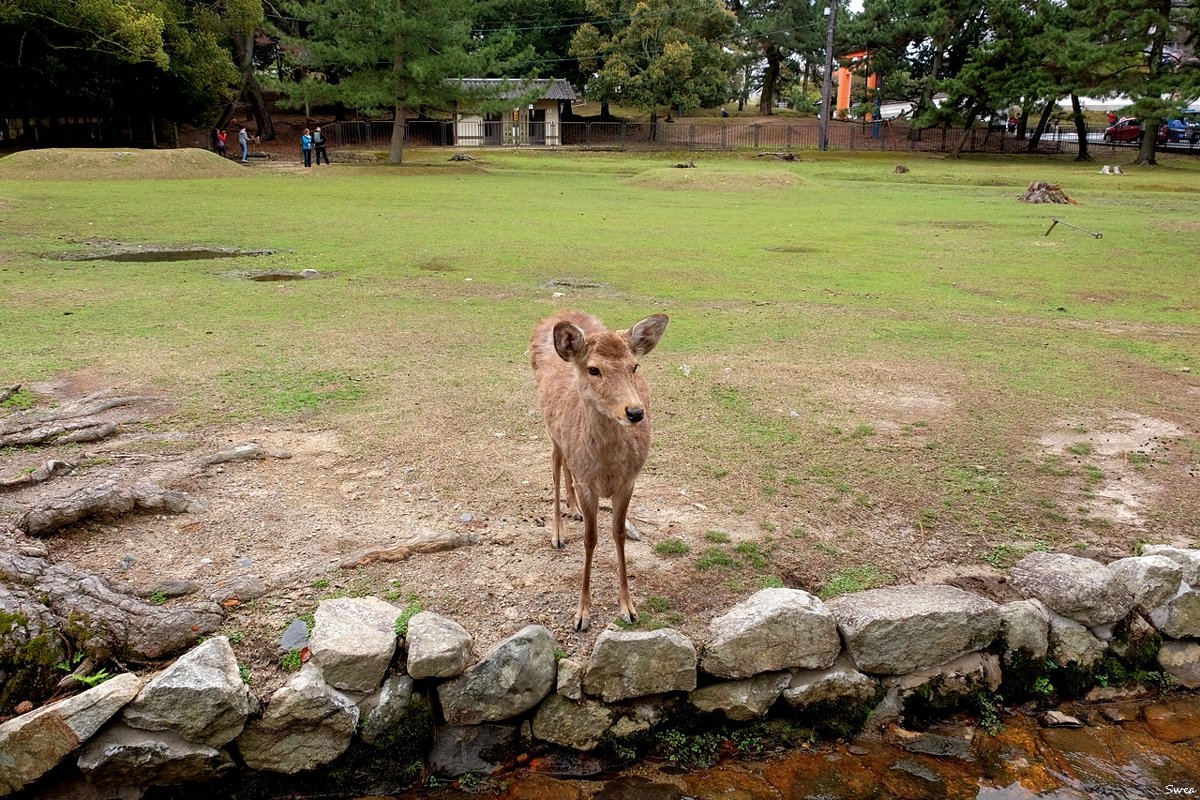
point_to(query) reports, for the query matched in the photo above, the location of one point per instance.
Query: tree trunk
(1080, 129)
(935, 67)
(1043, 121)
(962, 140)
(766, 100)
(396, 148)
(1022, 124)
(1154, 69)
(251, 91)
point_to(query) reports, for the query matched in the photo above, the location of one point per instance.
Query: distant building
(534, 119)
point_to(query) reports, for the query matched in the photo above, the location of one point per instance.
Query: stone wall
(876, 655)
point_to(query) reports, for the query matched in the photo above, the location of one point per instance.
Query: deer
(597, 412)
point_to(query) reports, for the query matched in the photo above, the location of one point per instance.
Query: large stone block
(1084, 590)
(201, 697)
(1152, 580)
(34, 743)
(122, 756)
(1181, 660)
(1188, 559)
(1025, 628)
(839, 683)
(353, 641)
(566, 723)
(307, 724)
(1072, 643)
(510, 680)
(438, 647)
(1179, 617)
(626, 664)
(774, 629)
(742, 700)
(899, 629)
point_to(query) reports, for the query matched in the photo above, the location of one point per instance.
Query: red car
(1129, 129)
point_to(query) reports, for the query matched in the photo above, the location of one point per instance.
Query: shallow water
(150, 256)
(1125, 751)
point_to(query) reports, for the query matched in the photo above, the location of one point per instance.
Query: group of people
(313, 141)
(219, 143)
(310, 142)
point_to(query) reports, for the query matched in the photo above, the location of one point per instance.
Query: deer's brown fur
(597, 411)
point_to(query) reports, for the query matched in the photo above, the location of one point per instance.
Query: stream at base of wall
(1124, 751)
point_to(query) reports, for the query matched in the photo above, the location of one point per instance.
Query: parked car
(1177, 130)
(1129, 129)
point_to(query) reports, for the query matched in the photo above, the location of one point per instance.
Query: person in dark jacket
(318, 140)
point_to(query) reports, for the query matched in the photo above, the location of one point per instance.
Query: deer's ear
(569, 341)
(643, 336)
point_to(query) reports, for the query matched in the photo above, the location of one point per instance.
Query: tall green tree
(379, 56)
(779, 30)
(160, 58)
(1131, 38)
(650, 54)
(541, 27)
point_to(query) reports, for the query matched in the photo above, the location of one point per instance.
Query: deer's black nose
(635, 414)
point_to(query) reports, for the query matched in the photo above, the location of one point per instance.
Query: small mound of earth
(57, 163)
(669, 178)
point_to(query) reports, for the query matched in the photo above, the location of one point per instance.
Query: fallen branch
(428, 542)
(780, 156)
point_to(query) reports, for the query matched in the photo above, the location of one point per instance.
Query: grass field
(874, 373)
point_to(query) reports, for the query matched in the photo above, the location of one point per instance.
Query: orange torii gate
(845, 77)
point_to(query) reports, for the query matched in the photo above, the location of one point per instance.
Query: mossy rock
(28, 660)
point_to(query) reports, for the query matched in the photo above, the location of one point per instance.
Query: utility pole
(827, 83)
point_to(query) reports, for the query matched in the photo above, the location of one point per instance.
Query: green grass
(856, 579)
(797, 293)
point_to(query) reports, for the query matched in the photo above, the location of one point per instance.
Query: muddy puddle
(152, 255)
(1124, 751)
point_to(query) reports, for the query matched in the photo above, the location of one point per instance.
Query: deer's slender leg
(620, 503)
(572, 500)
(556, 464)
(589, 505)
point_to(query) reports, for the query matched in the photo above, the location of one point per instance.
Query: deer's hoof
(581, 623)
(628, 617)
(557, 544)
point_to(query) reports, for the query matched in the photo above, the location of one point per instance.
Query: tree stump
(1040, 192)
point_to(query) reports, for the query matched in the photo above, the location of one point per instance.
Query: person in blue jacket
(306, 147)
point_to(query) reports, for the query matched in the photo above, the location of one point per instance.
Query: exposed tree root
(72, 423)
(68, 613)
(42, 474)
(105, 501)
(428, 542)
(243, 452)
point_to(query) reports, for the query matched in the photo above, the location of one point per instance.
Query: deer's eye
(635, 366)
(594, 371)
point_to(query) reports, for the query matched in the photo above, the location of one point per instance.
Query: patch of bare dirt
(671, 179)
(292, 522)
(1115, 450)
